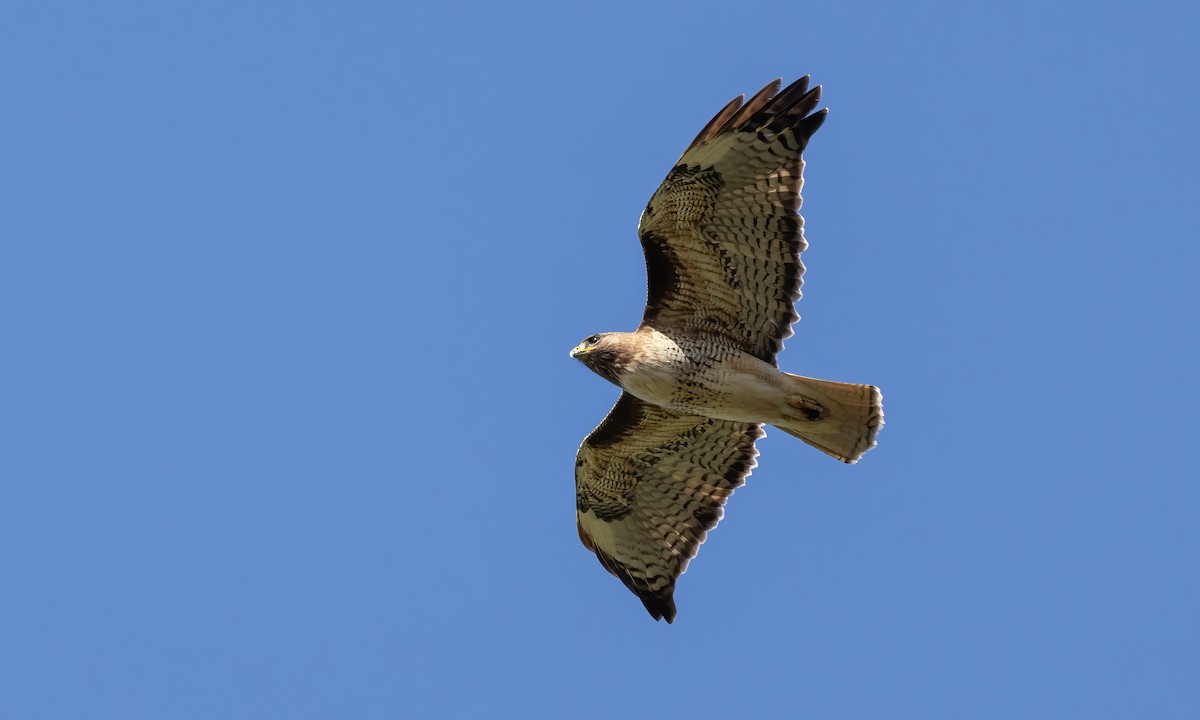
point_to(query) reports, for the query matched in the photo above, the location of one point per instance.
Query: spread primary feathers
(722, 238)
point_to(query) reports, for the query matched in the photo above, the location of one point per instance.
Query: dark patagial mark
(662, 281)
(622, 419)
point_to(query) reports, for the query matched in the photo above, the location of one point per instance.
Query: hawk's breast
(702, 376)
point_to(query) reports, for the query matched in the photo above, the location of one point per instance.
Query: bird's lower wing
(649, 485)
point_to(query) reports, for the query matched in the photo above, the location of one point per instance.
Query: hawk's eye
(592, 340)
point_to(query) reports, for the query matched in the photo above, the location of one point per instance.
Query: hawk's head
(604, 354)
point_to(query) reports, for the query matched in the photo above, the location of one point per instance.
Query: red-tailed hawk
(722, 239)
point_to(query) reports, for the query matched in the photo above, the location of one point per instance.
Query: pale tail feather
(839, 419)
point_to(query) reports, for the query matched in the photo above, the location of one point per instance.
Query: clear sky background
(287, 422)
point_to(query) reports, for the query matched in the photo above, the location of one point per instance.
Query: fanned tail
(839, 419)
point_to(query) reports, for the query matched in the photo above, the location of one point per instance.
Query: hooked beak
(580, 350)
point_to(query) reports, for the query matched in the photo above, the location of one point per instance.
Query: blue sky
(288, 422)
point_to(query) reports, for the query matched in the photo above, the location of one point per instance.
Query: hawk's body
(700, 374)
(722, 239)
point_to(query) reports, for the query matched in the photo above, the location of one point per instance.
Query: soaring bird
(722, 237)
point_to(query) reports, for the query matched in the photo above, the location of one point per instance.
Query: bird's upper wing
(649, 485)
(722, 235)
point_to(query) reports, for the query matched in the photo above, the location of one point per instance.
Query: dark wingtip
(788, 110)
(661, 605)
(719, 120)
(810, 124)
(770, 107)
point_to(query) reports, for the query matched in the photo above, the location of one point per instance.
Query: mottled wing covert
(722, 235)
(649, 485)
